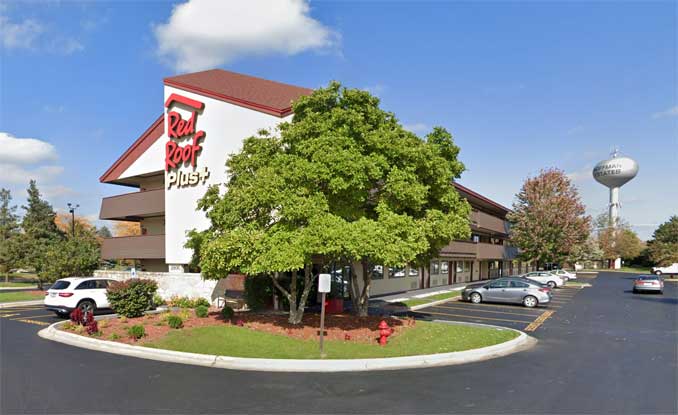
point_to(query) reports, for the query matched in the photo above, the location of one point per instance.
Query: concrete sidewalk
(419, 293)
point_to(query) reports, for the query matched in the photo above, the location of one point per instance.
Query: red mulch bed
(337, 326)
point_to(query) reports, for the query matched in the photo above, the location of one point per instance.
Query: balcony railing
(488, 222)
(134, 247)
(132, 206)
(478, 250)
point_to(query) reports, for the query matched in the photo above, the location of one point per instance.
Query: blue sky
(522, 86)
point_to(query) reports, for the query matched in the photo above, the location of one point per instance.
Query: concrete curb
(21, 303)
(520, 343)
(433, 303)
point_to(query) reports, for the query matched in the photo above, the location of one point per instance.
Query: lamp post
(71, 210)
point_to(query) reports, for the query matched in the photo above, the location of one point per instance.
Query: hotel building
(169, 167)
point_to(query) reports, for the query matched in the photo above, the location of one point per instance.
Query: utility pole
(71, 209)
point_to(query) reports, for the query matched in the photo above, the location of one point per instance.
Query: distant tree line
(46, 242)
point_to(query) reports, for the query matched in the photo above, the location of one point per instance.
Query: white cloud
(583, 175)
(57, 190)
(25, 150)
(417, 128)
(31, 34)
(202, 34)
(16, 174)
(670, 112)
(19, 35)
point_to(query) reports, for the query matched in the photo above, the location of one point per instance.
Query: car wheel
(530, 301)
(635, 291)
(657, 273)
(476, 298)
(551, 284)
(87, 306)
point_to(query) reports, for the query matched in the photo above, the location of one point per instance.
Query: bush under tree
(130, 298)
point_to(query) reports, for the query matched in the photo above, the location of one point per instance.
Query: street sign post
(324, 286)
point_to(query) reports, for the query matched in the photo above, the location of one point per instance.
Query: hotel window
(413, 271)
(435, 267)
(475, 238)
(396, 272)
(444, 267)
(377, 272)
(460, 266)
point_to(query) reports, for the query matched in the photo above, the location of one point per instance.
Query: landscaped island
(266, 335)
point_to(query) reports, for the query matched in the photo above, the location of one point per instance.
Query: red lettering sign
(178, 128)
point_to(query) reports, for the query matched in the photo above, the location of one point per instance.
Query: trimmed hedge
(130, 298)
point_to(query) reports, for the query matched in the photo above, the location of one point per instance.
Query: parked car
(508, 290)
(652, 283)
(563, 273)
(85, 293)
(546, 277)
(671, 269)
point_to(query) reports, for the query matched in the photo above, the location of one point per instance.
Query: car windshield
(60, 285)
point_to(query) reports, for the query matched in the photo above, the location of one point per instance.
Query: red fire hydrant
(384, 332)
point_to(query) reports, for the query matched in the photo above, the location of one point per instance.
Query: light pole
(71, 209)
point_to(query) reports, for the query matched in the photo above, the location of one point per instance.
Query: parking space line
(512, 307)
(485, 311)
(44, 315)
(539, 321)
(470, 317)
(37, 322)
(9, 315)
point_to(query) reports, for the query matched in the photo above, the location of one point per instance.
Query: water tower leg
(614, 206)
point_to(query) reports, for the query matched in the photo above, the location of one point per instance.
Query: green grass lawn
(419, 301)
(424, 338)
(17, 284)
(11, 296)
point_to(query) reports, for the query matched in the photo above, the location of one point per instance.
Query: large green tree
(74, 256)
(548, 220)
(40, 232)
(342, 180)
(663, 248)
(9, 233)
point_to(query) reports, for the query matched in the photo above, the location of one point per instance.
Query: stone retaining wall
(175, 284)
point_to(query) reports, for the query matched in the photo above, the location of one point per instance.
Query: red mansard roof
(273, 98)
(477, 197)
(258, 94)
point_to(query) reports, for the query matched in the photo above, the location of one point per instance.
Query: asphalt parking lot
(605, 350)
(506, 315)
(35, 315)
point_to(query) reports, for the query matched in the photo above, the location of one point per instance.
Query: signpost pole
(324, 285)
(322, 326)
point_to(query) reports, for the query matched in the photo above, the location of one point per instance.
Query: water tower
(614, 173)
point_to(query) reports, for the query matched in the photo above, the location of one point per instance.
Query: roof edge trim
(278, 112)
(127, 158)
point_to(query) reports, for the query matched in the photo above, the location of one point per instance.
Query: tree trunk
(297, 307)
(360, 298)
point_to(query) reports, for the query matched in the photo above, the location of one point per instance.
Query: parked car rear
(652, 283)
(85, 293)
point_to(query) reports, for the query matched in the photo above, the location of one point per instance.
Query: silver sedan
(508, 290)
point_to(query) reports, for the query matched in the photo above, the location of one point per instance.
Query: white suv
(671, 269)
(545, 277)
(67, 294)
